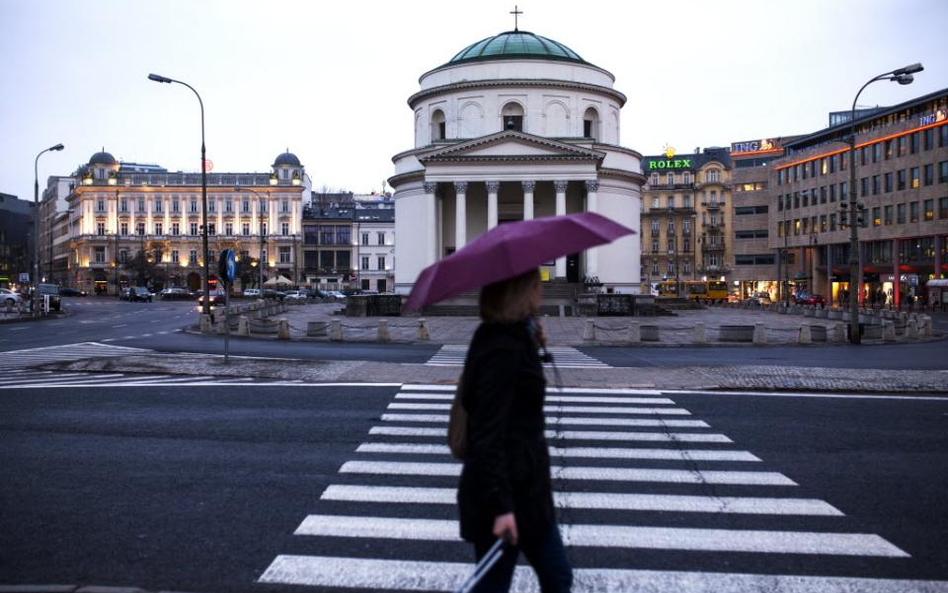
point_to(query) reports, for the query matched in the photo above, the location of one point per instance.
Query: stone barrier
(635, 332)
(384, 335)
(243, 326)
(911, 330)
(926, 326)
(335, 332)
(818, 333)
(821, 313)
(264, 327)
(888, 331)
(283, 330)
(737, 333)
(760, 334)
(803, 335)
(589, 331)
(700, 335)
(809, 312)
(422, 333)
(839, 332)
(834, 314)
(317, 329)
(205, 323)
(649, 333)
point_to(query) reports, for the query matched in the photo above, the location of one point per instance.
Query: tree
(248, 271)
(145, 265)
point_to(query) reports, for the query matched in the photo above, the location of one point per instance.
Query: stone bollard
(839, 332)
(205, 323)
(589, 331)
(803, 335)
(243, 326)
(821, 313)
(283, 333)
(888, 331)
(635, 332)
(701, 336)
(384, 336)
(911, 330)
(809, 312)
(760, 333)
(335, 330)
(8, 306)
(422, 333)
(926, 326)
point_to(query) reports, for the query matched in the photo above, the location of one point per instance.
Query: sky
(330, 80)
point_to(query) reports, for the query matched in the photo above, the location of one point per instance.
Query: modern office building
(138, 224)
(327, 241)
(16, 233)
(902, 186)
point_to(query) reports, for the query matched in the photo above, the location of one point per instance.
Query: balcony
(706, 184)
(717, 270)
(708, 248)
(716, 226)
(175, 214)
(713, 205)
(671, 186)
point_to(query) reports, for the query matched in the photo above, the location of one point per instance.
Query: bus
(717, 291)
(667, 288)
(706, 290)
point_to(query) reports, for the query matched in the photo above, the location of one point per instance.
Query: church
(513, 127)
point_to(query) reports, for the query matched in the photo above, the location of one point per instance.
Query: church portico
(451, 189)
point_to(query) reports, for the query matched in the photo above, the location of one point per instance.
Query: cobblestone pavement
(561, 331)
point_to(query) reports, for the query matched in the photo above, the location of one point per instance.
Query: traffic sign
(227, 265)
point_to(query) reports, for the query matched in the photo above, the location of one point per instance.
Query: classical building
(685, 217)
(753, 268)
(374, 232)
(513, 127)
(902, 186)
(130, 224)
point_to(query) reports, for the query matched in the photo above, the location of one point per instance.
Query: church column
(492, 188)
(431, 207)
(460, 214)
(592, 205)
(560, 187)
(528, 187)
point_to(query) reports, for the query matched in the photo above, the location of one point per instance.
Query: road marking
(120, 325)
(50, 379)
(376, 574)
(617, 474)
(621, 536)
(560, 409)
(564, 420)
(583, 452)
(853, 396)
(745, 505)
(595, 435)
(556, 398)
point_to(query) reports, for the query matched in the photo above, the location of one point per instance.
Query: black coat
(507, 463)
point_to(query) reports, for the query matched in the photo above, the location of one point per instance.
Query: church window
(512, 115)
(438, 126)
(591, 124)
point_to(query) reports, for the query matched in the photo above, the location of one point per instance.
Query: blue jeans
(547, 556)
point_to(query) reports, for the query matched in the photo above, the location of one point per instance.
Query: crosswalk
(635, 475)
(17, 359)
(565, 357)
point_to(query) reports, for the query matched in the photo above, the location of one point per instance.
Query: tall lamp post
(36, 217)
(902, 76)
(262, 236)
(206, 303)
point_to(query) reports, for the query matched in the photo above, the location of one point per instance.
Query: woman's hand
(506, 523)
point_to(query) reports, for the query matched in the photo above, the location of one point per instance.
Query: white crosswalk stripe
(15, 359)
(405, 464)
(565, 357)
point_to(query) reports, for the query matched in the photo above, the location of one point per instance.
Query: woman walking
(505, 488)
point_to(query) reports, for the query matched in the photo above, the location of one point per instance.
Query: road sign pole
(226, 321)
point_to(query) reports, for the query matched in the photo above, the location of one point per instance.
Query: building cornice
(515, 82)
(622, 174)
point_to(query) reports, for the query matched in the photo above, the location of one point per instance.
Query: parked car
(336, 295)
(269, 293)
(55, 302)
(8, 296)
(761, 298)
(175, 293)
(218, 297)
(72, 292)
(810, 299)
(295, 295)
(252, 293)
(139, 294)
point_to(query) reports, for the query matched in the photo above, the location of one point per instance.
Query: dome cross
(516, 14)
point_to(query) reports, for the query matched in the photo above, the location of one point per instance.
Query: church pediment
(511, 145)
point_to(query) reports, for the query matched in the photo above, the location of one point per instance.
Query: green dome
(516, 44)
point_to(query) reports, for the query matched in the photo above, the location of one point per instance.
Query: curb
(74, 589)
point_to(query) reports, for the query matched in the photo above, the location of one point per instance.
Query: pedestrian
(505, 488)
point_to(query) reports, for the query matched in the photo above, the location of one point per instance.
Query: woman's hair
(509, 300)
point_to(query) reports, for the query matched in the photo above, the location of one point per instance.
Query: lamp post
(902, 76)
(36, 216)
(262, 234)
(206, 304)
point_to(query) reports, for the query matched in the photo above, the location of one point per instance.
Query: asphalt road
(201, 488)
(158, 326)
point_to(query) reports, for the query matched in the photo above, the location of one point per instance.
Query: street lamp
(36, 217)
(902, 76)
(262, 238)
(206, 303)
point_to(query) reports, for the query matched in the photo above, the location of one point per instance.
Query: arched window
(512, 116)
(438, 126)
(591, 124)
(713, 175)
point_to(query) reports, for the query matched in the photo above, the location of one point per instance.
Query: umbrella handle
(487, 562)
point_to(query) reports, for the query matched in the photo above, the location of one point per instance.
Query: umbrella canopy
(278, 280)
(509, 250)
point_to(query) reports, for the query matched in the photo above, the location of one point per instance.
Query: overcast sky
(330, 80)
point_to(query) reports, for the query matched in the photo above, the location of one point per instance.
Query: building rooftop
(516, 44)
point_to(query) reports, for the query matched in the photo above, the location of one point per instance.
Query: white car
(295, 295)
(8, 296)
(252, 292)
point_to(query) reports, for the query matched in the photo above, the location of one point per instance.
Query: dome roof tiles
(516, 44)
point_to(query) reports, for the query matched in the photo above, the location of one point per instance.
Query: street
(248, 488)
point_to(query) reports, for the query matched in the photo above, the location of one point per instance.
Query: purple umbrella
(509, 250)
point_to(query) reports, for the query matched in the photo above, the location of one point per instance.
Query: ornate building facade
(128, 224)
